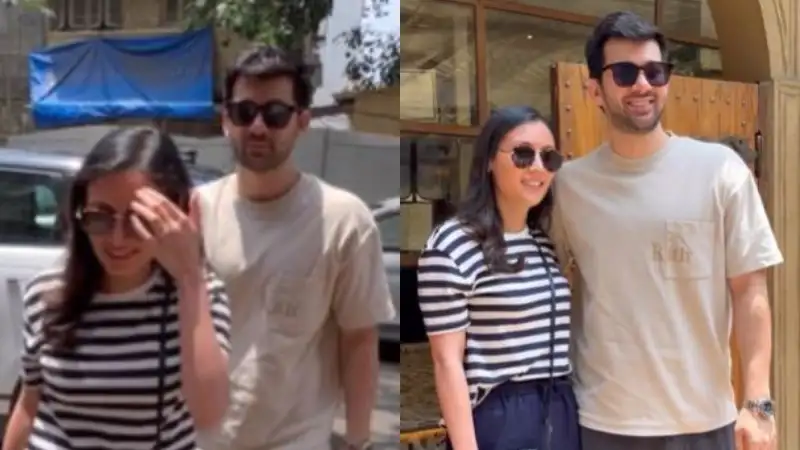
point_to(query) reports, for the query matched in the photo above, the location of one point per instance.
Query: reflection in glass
(695, 61)
(520, 52)
(437, 73)
(688, 18)
(597, 8)
(442, 170)
(437, 166)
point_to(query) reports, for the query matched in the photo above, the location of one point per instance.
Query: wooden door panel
(697, 107)
(701, 108)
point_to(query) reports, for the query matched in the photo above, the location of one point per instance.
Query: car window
(389, 226)
(30, 207)
(31, 203)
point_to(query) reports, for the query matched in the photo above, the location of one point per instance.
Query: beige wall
(377, 111)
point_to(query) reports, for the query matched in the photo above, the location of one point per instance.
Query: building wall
(377, 111)
(147, 17)
(20, 32)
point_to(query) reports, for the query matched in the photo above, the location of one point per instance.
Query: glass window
(442, 166)
(695, 61)
(597, 8)
(389, 227)
(520, 51)
(688, 18)
(442, 172)
(30, 208)
(437, 70)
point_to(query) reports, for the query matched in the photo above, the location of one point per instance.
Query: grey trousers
(719, 439)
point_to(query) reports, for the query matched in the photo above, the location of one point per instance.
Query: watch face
(768, 408)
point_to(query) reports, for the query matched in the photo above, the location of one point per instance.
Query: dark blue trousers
(528, 415)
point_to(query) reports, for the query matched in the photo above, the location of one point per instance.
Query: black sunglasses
(524, 156)
(275, 114)
(98, 222)
(626, 73)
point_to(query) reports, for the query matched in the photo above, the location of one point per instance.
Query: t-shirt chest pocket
(297, 304)
(686, 250)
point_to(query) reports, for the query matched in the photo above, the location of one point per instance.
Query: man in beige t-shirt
(672, 244)
(302, 262)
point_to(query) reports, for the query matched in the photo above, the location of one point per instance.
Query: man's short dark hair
(267, 62)
(620, 25)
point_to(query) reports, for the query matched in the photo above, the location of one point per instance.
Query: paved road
(386, 420)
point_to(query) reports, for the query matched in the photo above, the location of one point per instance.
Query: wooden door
(701, 108)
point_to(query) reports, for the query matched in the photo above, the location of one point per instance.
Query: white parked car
(387, 215)
(33, 186)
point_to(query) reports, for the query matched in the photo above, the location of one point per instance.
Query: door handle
(14, 290)
(15, 307)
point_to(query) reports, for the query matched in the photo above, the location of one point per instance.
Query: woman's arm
(451, 387)
(204, 315)
(442, 290)
(20, 422)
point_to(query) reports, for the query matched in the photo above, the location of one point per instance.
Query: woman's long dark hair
(145, 149)
(479, 210)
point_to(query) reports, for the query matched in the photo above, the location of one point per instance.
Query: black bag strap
(162, 358)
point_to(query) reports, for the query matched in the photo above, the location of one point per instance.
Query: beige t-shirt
(298, 270)
(655, 241)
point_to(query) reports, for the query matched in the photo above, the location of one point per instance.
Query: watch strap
(763, 407)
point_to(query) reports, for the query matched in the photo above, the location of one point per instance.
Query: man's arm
(361, 301)
(558, 235)
(359, 372)
(752, 323)
(750, 249)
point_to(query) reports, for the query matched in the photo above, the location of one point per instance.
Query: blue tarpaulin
(165, 76)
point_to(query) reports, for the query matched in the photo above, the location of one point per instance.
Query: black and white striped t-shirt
(104, 393)
(509, 318)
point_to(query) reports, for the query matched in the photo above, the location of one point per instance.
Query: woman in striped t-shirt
(495, 303)
(126, 346)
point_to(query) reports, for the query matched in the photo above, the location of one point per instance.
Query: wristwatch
(763, 408)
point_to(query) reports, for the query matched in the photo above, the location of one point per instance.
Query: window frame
(108, 20)
(61, 176)
(180, 13)
(103, 21)
(71, 13)
(60, 9)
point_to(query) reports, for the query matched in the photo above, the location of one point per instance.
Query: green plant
(373, 55)
(284, 23)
